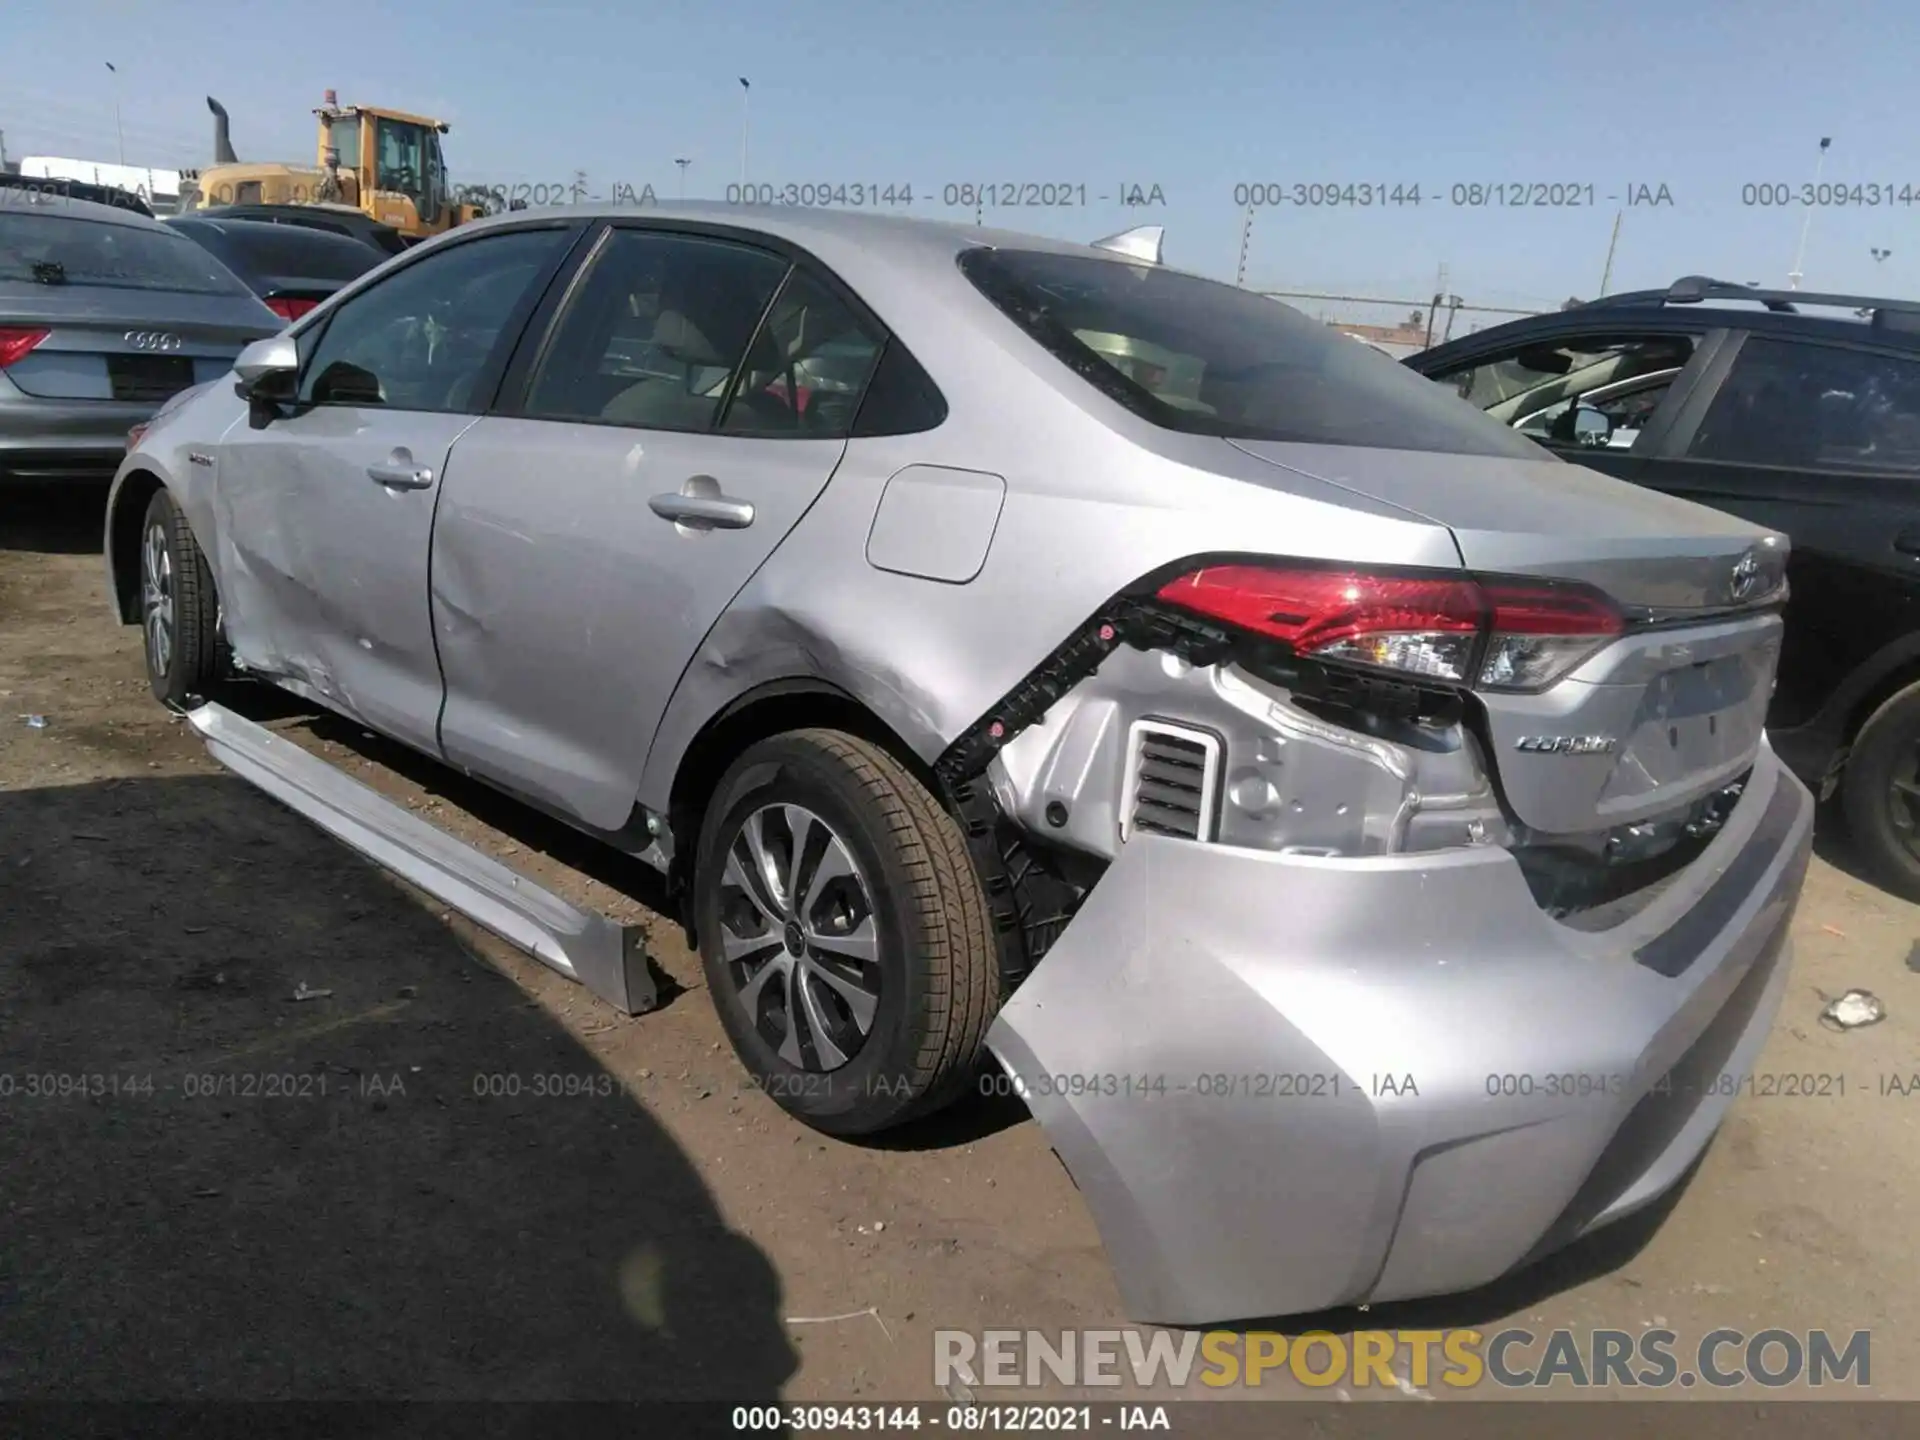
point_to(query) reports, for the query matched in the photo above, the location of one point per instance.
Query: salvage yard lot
(451, 1174)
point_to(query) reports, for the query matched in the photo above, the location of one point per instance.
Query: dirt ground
(256, 1196)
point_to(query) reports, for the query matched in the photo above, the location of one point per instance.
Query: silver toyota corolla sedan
(104, 315)
(1349, 826)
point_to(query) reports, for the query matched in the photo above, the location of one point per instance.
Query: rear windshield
(1210, 359)
(66, 250)
(259, 248)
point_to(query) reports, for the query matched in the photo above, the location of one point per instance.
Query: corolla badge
(1566, 744)
(152, 340)
(1748, 577)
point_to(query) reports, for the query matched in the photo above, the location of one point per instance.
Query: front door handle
(703, 512)
(1907, 542)
(401, 477)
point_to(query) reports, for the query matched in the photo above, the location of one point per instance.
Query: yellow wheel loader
(384, 164)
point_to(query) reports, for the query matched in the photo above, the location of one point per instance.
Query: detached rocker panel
(609, 958)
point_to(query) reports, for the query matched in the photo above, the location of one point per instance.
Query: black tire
(195, 660)
(1884, 823)
(937, 970)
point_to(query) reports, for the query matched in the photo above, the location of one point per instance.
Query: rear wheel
(179, 613)
(1880, 793)
(844, 933)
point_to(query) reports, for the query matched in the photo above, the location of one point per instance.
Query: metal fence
(1432, 307)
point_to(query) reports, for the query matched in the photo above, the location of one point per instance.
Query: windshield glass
(63, 249)
(1211, 359)
(401, 164)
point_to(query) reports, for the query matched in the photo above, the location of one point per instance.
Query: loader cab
(389, 154)
(407, 160)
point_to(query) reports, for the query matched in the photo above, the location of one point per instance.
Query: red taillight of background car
(16, 343)
(1421, 626)
(288, 308)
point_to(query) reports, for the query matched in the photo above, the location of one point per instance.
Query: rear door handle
(401, 477)
(1907, 542)
(705, 512)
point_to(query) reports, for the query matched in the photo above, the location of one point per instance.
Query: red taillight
(1520, 608)
(14, 344)
(288, 308)
(1422, 626)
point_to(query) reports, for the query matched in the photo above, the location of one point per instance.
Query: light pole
(117, 128)
(1606, 273)
(746, 90)
(1793, 278)
(683, 164)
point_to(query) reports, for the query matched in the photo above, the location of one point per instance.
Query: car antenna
(1140, 243)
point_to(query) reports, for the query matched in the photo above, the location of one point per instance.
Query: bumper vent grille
(1173, 775)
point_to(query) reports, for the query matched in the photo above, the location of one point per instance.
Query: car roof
(49, 203)
(892, 238)
(269, 230)
(1651, 310)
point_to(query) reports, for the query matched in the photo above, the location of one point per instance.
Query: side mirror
(267, 367)
(1591, 427)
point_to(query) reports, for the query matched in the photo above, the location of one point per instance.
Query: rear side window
(1205, 358)
(1814, 406)
(66, 250)
(806, 369)
(654, 331)
(901, 398)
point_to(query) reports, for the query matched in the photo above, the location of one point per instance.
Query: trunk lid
(108, 343)
(1656, 721)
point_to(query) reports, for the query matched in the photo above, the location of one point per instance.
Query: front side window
(654, 331)
(61, 250)
(420, 339)
(1814, 406)
(1205, 358)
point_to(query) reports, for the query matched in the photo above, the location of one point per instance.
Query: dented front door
(330, 520)
(327, 507)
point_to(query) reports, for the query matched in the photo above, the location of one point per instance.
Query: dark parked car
(291, 268)
(1755, 403)
(331, 219)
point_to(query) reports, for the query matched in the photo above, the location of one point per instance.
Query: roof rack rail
(1902, 315)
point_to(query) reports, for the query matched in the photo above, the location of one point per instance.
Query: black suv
(1749, 401)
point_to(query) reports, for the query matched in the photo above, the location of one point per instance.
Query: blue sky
(1196, 97)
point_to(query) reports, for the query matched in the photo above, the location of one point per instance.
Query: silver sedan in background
(105, 315)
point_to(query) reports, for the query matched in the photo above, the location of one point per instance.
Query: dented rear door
(570, 589)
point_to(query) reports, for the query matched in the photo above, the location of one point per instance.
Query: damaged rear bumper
(1286, 1082)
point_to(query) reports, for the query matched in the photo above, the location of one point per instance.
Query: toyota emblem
(1747, 579)
(152, 340)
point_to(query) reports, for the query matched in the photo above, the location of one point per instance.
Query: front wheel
(179, 613)
(844, 933)
(1880, 792)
